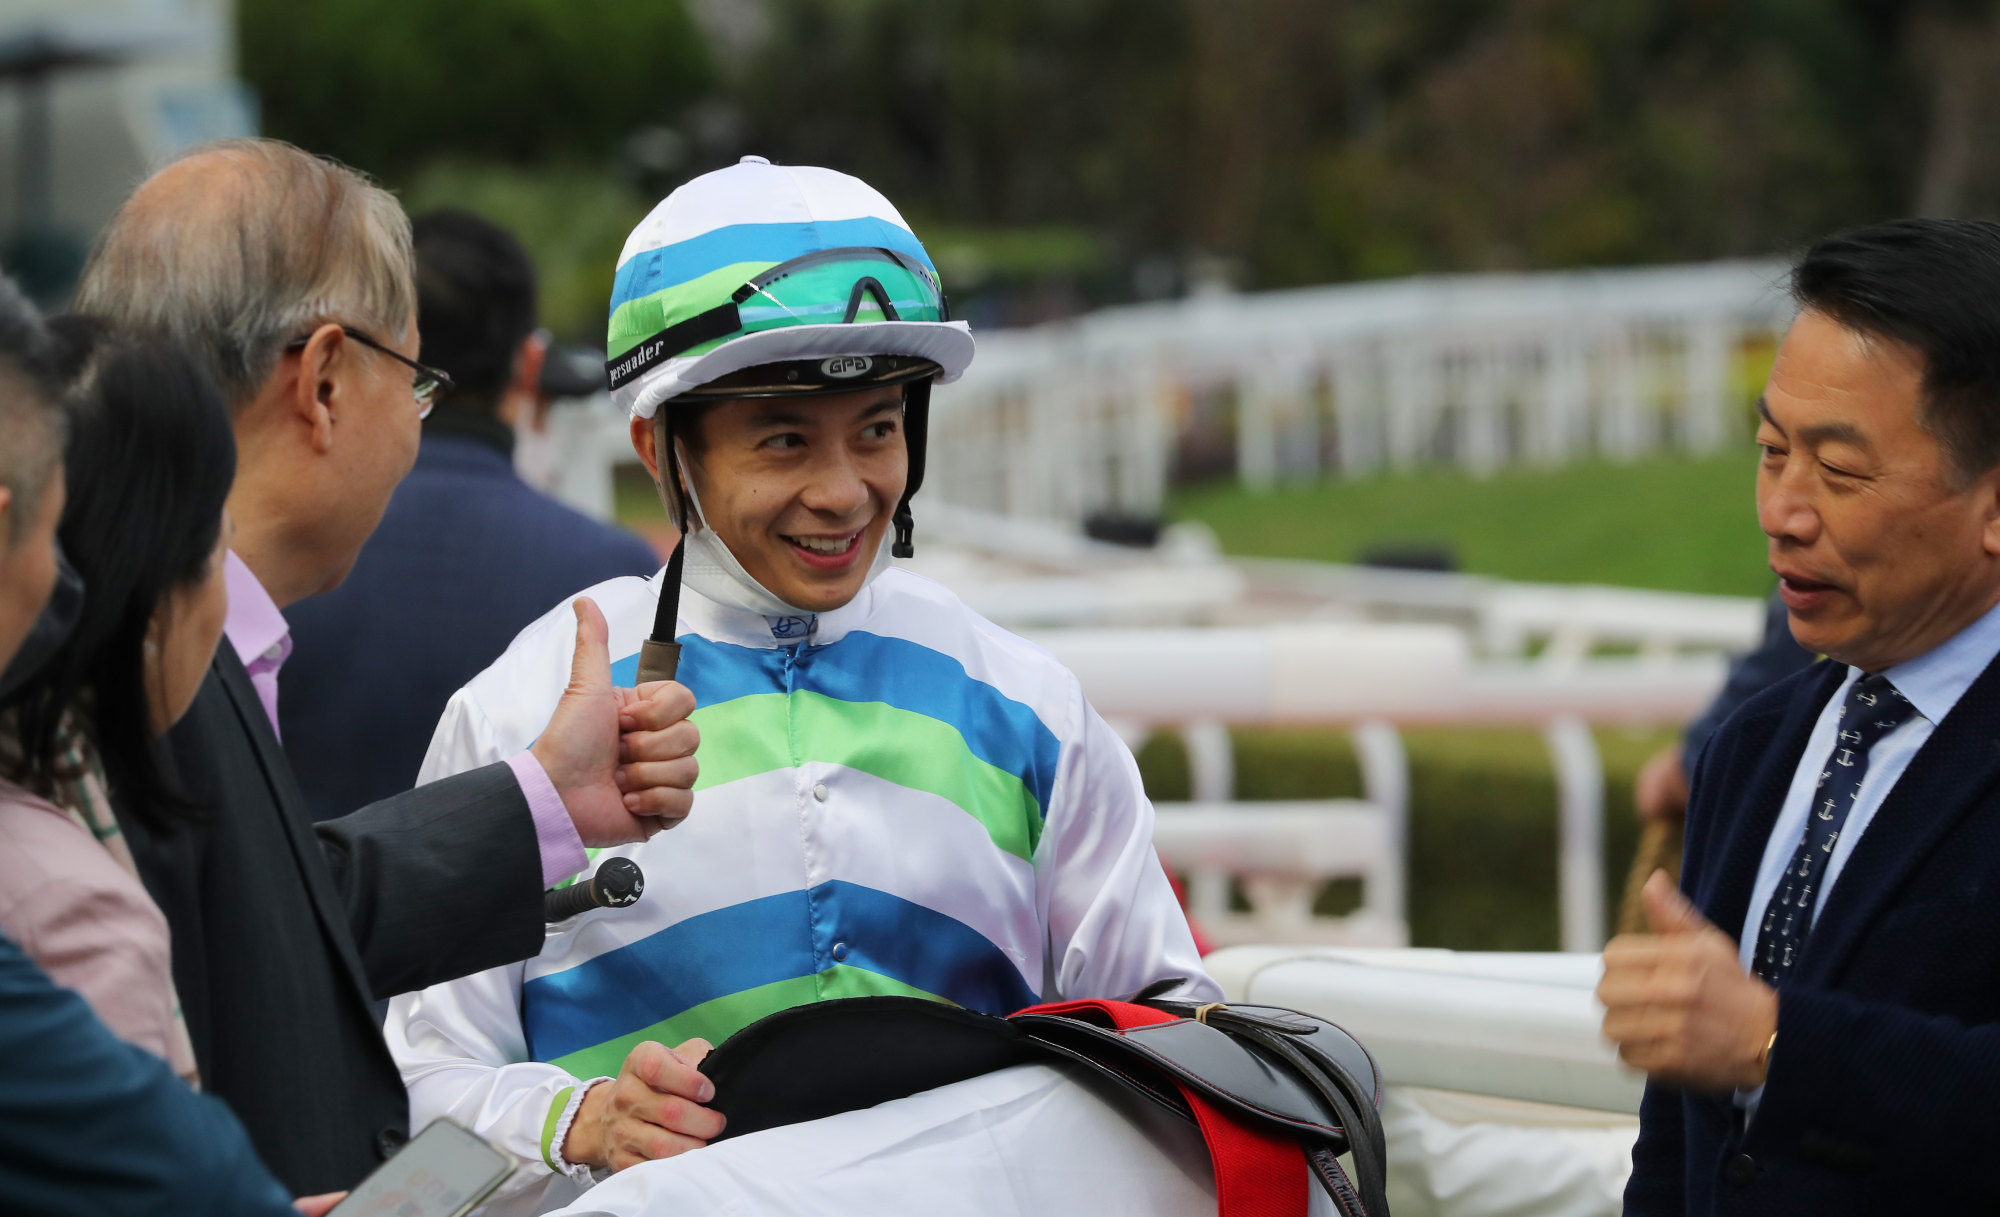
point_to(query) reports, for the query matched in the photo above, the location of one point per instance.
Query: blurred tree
(1001, 113)
(1955, 47)
(1075, 152)
(572, 222)
(1276, 142)
(388, 84)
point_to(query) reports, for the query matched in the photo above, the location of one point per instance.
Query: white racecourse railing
(1518, 1026)
(1374, 677)
(1478, 371)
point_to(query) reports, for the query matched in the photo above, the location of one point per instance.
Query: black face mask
(51, 629)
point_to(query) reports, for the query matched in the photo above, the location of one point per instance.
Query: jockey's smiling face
(800, 490)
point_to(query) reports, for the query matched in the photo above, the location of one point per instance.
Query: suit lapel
(289, 802)
(1724, 895)
(1944, 780)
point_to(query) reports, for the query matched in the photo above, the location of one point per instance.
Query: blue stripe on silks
(760, 942)
(671, 265)
(864, 667)
(918, 946)
(716, 672)
(1004, 733)
(690, 962)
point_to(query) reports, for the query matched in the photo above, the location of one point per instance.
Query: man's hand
(1677, 1002)
(1661, 791)
(652, 1109)
(318, 1206)
(622, 759)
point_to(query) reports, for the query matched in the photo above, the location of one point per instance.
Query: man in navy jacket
(466, 554)
(1819, 1014)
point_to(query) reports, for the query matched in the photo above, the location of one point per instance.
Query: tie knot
(1872, 710)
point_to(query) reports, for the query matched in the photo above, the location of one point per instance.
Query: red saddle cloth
(1257, 1173)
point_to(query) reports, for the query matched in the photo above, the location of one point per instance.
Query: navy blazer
(1885, 1079)
(466, 555)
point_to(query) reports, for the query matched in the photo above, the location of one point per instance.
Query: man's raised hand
(622, 759)
(1678, 1003)
(652, 1109)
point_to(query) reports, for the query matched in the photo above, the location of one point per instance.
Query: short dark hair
(31, 420)
(1934, 286)
(475, 302)
(150, 460)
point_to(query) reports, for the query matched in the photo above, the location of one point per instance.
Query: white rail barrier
(1284, 852)
(1374, 677)
(1517, 1026)
(1478, 371)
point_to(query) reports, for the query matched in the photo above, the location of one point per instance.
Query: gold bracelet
(1764, 1054)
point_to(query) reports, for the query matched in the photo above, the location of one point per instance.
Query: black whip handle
(617, 883)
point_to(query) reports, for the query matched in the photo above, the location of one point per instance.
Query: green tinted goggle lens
(830, 287)
(840, 286)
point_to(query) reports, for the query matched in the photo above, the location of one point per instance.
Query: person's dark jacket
(283, 931)
(1883, 1076)
(465, 557)
(91, 1124)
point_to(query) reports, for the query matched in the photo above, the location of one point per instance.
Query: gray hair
(31, 417)
(241, 245)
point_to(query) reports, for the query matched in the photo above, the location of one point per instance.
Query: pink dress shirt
(257, 630)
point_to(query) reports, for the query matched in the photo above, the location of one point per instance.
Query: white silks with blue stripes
(895, 798)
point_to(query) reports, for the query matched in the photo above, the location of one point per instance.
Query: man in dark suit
(292, 277)
(467, 553)
(1819, 1015)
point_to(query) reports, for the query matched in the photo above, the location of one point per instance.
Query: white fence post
(1580, 854)
(1385, 782)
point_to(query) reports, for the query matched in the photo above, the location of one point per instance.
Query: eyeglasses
(429, 383)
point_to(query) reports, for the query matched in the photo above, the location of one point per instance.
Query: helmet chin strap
(660, 655)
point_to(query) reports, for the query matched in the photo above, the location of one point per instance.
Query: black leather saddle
(1269, 1068)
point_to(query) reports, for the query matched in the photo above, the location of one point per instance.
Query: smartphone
(442, 1172)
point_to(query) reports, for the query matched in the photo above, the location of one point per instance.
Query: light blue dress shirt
(1932, 682)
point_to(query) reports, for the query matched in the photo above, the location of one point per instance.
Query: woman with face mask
(150, 458)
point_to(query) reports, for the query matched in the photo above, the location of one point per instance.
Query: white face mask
(709, 567)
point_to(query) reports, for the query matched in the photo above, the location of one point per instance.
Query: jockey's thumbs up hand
(1678, 1003)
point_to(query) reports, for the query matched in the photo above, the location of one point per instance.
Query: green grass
(1678, 523)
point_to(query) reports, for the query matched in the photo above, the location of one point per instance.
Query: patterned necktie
(1872, 710)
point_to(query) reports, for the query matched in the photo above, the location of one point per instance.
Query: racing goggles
(828, 287)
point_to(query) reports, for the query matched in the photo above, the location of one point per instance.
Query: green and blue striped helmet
(761, 264)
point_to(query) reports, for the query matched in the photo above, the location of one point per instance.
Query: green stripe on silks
(637, 320)
(717, 1020)
(750, 735)
(555, 1114)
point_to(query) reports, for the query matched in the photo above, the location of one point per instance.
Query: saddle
(1276, 1093)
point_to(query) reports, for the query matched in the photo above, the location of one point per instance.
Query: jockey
(895, 795)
